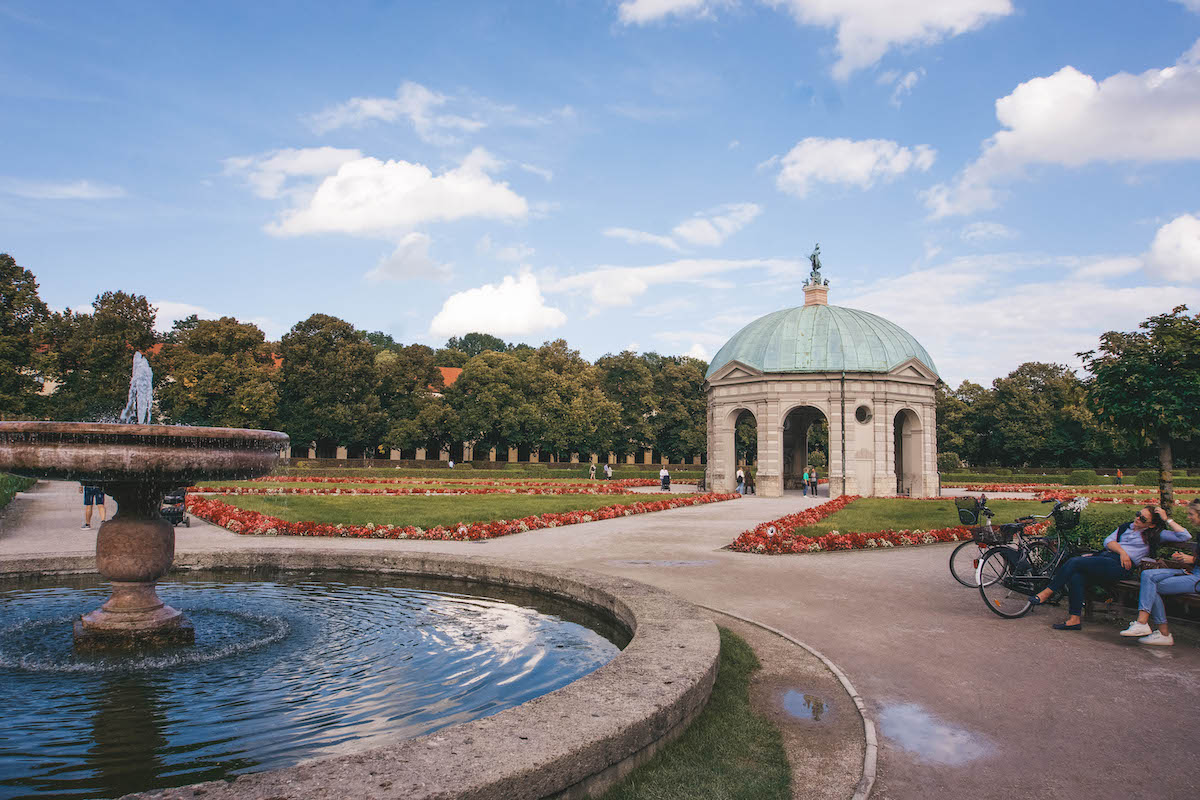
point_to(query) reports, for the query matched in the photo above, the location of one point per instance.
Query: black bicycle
(964, 560)
(1009, 574)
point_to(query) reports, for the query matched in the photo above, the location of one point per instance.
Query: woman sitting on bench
(1157, 582)
(1123, 549)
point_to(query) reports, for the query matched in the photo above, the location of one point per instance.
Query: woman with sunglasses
(1157, 582)
(1123, 549)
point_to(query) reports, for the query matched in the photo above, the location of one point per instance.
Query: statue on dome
(814, 277)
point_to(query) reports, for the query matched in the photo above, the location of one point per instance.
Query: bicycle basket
(1066, 518)
(992, 536)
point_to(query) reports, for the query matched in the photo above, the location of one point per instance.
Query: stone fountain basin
(167, 455)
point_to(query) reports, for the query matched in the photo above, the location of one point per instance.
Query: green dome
(821, 338)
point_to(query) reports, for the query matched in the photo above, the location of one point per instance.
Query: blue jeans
(1157, 582)
(1076, 572)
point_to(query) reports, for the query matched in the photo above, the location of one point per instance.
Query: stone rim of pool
(577, 739)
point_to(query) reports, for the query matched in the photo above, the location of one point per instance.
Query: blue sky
(1004, 179)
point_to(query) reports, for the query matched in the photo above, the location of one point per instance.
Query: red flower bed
(252, 523)
(779, 536)
(625, 482)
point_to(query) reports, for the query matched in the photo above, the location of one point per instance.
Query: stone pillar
(395, 454)
(648, 457)
(513, 455)
(769, 419)
(444, 455)
(468, 451)
(287, 451)
(492, 454)
(312, 452)
(342, 454)
(595, 458)
(629, 458)
(574, 458)
(421, 454)
(535, 456)
(696, 460)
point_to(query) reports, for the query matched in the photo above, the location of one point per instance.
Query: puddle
(664, 563)
(802, 705)
(911, 727)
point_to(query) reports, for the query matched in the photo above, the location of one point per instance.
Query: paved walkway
(968, 704)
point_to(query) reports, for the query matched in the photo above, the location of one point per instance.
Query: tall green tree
(328, 387)
(475, 343)
(679, 420)
(1146, 384)
(91, 355)
(626, 380)
(495, 399)
(222, 373)
(21, 312)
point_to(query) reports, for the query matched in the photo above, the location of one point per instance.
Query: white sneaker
(1158, 639)
(84, 526)
(1136, 629)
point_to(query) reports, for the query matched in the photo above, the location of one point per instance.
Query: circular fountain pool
(294, 667)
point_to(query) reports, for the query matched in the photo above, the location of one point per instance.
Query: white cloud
(978, 232)
(518, 251)
(699, 351)
(642, 12)
(1190, 5)
(1175, 252)
(641, 237)
(410, 261)
(714, 227)
(267, 173)
(1108, 268)
(846, 161)
(1069, 119)
(513, 307)
(543, 173)
(372, 197)
(866, 29)
(904, 86)
(1040, 294)
(413, 102)
(50, 190)
(620, 286)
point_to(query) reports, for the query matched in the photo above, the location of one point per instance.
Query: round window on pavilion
(863, 414)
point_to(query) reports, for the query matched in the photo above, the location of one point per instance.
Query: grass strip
(871, 514)
(421, 511)
(10, 485)
(727, 753)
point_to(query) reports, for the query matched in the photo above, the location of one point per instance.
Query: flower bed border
(253, 523)
(402, 491)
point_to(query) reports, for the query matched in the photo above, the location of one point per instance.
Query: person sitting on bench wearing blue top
(1123, 549)
(1182, 576)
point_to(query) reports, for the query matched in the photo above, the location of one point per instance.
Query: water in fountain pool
(287, 668)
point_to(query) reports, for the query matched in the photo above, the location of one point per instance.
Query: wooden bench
(1125, 593)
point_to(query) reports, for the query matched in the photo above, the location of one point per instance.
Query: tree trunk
(1166, 492)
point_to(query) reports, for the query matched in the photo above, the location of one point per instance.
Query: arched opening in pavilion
(906, 429)
(805, 444)
(745, 440)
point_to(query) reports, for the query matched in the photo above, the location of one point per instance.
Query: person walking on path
(1120, 475)
(750, 487)
(665, 477)
(592, 471)
(1180, 576)
(608, 472)
(741, 481)
(92, 496)
(1123, 549)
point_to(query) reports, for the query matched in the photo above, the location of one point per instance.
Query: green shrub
(1147, 477)
(1082, 477)
(949, 462)
(10, 485)
(816, 459)
(1001, 471)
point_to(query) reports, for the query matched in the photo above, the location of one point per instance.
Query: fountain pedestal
(134, 550)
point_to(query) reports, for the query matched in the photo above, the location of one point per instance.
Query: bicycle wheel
(963, 562)
(995, 584)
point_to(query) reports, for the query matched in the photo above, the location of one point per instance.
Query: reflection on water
(803, 705)
(284, 669)
(914, 729)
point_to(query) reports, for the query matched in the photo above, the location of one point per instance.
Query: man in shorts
(92, 496)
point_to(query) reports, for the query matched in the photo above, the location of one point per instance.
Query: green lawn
(877, 514)
(423, 512)
(465, 482)
(727, 753)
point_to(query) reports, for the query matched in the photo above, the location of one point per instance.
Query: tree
(221, 373)
(21, 312)
(475, 343)
(627, 381)
(328, 385)
(679, 421)
(449, 357)
(495, 402)
(91, 355)
(1147, 384)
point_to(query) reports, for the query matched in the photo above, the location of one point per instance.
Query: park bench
(1185, 607)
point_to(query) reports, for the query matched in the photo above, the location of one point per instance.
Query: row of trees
(327, 382)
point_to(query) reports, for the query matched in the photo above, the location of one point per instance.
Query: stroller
(174, 508)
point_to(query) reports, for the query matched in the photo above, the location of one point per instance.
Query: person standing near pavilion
(804, 482)
(608, 472)
(592, 471)
(93, 496)
(813, 483)
(741, 481)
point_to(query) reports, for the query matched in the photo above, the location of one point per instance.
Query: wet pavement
(968, 704)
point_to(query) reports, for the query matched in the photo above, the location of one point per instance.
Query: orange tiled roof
(450, 375)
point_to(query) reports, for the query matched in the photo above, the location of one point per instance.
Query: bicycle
(1009, 575)
(964, 560)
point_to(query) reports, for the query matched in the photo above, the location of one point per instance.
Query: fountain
(137, 463)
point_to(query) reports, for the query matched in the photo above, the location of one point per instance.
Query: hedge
(10, 485)
(1149, 477)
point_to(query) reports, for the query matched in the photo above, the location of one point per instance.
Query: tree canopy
(21, 312)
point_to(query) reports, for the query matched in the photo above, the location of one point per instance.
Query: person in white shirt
(665, 477)
(452, 463)
(741, 481)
